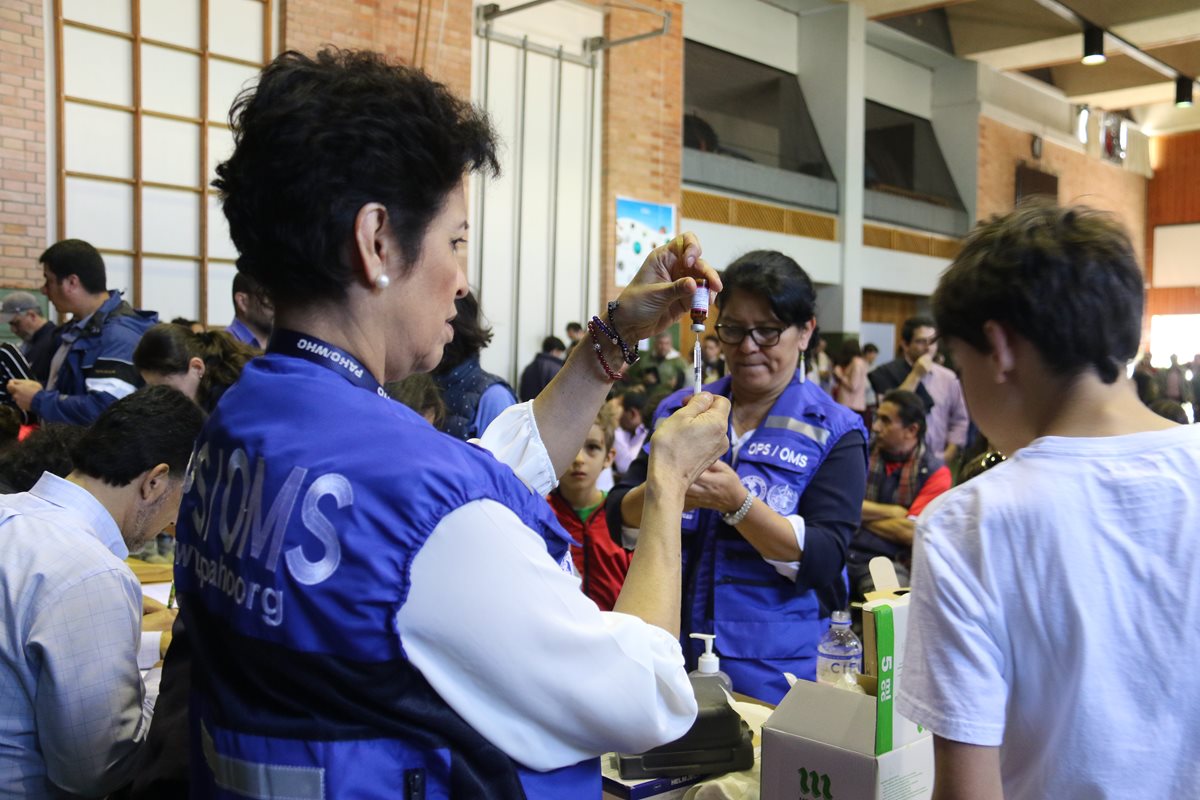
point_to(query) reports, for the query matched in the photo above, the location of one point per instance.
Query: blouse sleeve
(513, 438)
(503, 634)
(831, 506)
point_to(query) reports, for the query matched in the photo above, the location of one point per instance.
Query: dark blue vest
(764, 625)
(307, 500)
(462, 388)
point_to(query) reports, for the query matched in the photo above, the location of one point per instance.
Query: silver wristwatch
(735, 518)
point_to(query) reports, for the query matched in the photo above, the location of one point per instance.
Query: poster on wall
(641, 227)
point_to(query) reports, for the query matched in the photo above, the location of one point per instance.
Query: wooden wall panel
(1173, 197)
(888, 307)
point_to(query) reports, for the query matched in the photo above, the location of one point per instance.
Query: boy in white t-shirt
(1054, 645)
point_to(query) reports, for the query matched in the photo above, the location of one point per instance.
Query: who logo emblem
(814, 784)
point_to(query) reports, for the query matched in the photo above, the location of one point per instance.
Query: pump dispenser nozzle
(709, 662)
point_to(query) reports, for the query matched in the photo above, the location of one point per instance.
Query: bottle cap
(708, 662)
(840, 618)
(697, 327)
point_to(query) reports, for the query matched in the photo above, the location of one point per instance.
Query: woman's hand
(718, 488)
(690, 440)
(661, 291)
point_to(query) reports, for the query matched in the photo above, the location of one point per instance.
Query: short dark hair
(910, 407)
(76, 257)
(154, 425)
(552, 343)
(912, 323)
(1066, 279)
(319, 137)
(634, 400)
(244, 284)
(711, 337)
(47, 449)
(780, 281)
(574, 327)
(471, 334)
(869, 348)
(1169, 409)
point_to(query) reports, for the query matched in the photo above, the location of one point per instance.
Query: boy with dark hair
(1053, 597)
(92, 365)
(579, 505)
(253, 314)
(73, 718)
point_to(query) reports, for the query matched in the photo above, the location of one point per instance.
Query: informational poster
(641, 227)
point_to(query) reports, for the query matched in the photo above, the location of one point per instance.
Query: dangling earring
(382, 282)
(803, 369)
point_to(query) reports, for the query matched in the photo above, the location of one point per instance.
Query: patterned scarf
(910, 478)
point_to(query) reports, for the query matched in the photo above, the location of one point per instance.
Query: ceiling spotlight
(1093, 45)
(1183, 92)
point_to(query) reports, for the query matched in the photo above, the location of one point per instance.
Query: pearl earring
(382, 282)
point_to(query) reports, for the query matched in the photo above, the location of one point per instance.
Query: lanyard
(322, 353)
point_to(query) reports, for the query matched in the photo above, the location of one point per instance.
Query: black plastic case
(719, 741)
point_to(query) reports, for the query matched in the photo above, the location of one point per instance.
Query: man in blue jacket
(93, 361)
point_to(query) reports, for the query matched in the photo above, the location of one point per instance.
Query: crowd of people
(390, 563)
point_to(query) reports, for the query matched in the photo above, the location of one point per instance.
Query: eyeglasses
(763, 337)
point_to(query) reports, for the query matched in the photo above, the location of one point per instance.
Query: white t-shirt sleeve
(513, 438)
(954, 680)
(507, 639)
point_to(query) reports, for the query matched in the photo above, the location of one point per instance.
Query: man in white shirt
(630, 434)
(1054, 618)
(73, 713)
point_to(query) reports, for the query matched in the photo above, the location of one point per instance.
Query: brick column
(23, 234)
(642, 138)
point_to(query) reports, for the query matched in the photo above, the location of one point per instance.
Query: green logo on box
(814, 784)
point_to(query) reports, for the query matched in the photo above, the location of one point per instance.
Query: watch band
(735, 518)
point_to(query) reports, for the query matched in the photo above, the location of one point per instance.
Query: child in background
(579, 505)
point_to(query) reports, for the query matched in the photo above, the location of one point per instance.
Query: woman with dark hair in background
(768, 525)
(201, 365)
(850, 378)
(472, 395)
(377, 609)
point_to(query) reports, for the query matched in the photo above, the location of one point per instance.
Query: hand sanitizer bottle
(710, 666)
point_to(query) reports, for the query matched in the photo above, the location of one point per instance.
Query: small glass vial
(700, 306)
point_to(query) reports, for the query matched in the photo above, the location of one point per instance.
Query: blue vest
(295, 538)
(462, 388)
(764, 625)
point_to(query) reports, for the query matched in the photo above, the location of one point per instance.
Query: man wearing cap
(24, 317)
(92, 365)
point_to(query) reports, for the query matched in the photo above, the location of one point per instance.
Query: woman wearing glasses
(766, 528)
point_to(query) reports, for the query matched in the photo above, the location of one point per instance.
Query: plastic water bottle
(840, 654)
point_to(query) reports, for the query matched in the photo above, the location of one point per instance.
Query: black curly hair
(316, 139)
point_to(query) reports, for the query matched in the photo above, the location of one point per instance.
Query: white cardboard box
(830, 744)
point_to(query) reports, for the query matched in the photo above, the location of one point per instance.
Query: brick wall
(642, 140)
(1081, 179)
(410, 31)
(22, 142)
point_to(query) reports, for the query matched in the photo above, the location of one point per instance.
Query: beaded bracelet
(595, 325)
(631, 358)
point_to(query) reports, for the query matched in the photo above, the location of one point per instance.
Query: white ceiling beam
(1149, 94)
(1146, 34)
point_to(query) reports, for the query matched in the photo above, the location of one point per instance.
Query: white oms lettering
(785, 454)
(233, 505)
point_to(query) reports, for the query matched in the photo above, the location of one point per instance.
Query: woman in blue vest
(767, 526)
(375, 608)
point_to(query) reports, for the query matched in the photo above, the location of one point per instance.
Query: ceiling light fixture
(1183, 92)
(1093, 45)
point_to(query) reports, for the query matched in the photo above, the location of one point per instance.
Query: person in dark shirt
(545, 365)
(23, 314)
